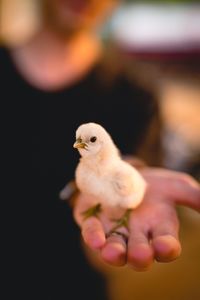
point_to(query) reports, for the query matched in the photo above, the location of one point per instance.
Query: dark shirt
(46, 260)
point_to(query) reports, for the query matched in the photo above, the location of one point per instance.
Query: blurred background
(160, 45)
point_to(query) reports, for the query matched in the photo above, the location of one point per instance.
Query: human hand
(153, 226)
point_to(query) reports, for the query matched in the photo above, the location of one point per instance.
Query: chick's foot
(92, 211)
(122, 222)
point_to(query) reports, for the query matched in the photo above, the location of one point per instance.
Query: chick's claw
(92, 211)
(122, 222)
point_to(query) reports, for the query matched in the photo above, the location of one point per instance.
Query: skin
(153, 227)
(66, 45)
(67, 17)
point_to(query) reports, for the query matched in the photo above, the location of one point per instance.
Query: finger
(181, 188)
(165, 240)
(167, 248)
(82, 203)
(114, 250)
(186, 191)
(140, 252)
(93, 233)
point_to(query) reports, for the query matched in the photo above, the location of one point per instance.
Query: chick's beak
(79, 145)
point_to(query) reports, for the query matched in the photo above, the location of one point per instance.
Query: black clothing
(46, 260)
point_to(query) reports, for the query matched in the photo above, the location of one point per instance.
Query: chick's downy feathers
(102, 173)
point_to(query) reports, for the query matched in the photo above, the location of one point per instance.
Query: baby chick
(102, 173)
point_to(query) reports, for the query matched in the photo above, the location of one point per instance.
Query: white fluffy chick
(103, 174)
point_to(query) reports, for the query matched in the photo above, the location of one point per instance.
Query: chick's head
(92, 139)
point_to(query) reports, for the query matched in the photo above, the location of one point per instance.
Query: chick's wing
(123, 180)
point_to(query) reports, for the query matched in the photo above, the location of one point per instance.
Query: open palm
(153, 227)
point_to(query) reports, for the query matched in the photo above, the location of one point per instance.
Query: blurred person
(51, 84)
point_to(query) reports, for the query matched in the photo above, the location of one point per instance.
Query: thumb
(186, 191)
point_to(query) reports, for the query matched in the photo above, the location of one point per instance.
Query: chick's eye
(93, 139)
